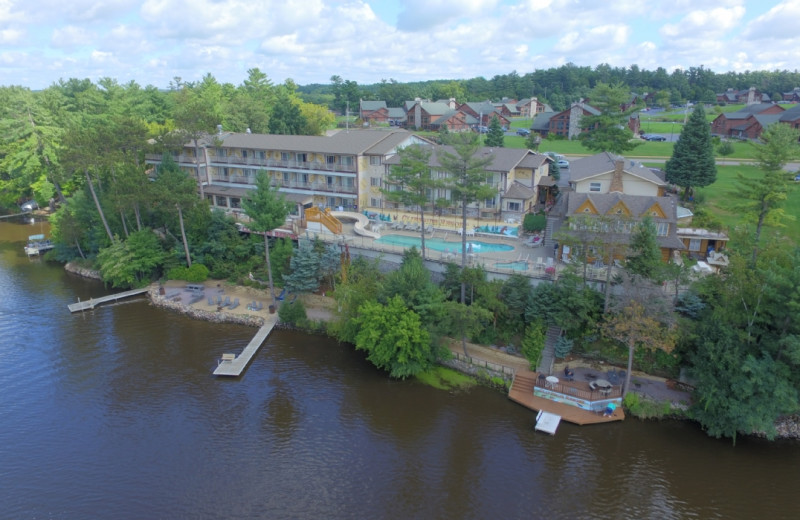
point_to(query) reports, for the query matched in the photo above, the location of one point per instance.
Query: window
(694, 244)
(225, 172)
(514, 206)
(662, 229)
(332, 202)
(262, 155)
(375, 203)
(222, 201)
(222, 152)
(330, 159)
(236, 202)
(285, 176)
(375, 181)
(490, 203)
(347, 182)
(244, 154)
(284, 156)
(375, 159)
(594, 186)
(304, 178)
(301, 157)
(330, 180)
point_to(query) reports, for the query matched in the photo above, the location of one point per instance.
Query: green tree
(131, 263)
(286, 117)
(608, 130)
(410, 181)
(466, 180)
(394, 338)
(267, 209)
(644, 255)
(495, 136)
(533, 141)
(175, 189)
(692, 163)
(725, 148)
(760, 199)
(362, 282)
(533, 344)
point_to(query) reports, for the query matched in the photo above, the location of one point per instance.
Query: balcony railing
(277, 183)
(259, 163)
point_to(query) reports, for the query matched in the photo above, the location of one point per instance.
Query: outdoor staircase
(549, 352)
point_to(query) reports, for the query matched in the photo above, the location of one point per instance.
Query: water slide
(361, 222)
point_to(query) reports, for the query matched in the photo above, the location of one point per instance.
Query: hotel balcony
(259, 163)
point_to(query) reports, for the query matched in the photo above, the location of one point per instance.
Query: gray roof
(602, 163)
(373, 105)
(519, 191)
(503, 159)
(468, 119)
(792, 114)
(638, 205)
(541, 121)
(397, 113)
(748, 111)
(352, 142)
(482, 107)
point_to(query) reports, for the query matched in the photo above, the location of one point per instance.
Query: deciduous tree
(608, 130)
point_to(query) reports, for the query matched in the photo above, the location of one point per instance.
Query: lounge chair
(219, 301)
(282, 295)
(210, 300)
(235, 304)
(227, 301)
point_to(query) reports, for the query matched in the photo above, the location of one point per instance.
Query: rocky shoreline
(787, 427)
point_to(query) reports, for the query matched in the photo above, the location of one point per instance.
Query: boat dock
(232, 365)
(93, 302)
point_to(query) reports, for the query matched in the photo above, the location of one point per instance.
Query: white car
(563, 163)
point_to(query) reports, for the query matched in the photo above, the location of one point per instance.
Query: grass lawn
(718, 197)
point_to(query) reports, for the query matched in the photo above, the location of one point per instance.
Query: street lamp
(671, 130)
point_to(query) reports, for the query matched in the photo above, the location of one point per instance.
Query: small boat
(37, 244)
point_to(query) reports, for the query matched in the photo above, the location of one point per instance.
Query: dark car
(653, 137)
(523, 131)
(482, 129)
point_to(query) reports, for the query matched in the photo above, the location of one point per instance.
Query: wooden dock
(232, 365)
(522, 392)
(93, 302)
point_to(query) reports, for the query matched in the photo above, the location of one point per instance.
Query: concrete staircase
(549, 352)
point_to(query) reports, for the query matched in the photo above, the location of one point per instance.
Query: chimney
(219, 129)
(616, 179)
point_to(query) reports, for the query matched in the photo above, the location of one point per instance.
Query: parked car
(653, 137)
(523, 132)
(555, 156)
(563, 163)
(29, 206)
(482, 129)
(797, 178)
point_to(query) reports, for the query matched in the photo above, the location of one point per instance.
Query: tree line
(556, 86)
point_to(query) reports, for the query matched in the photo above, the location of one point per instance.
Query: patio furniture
(551, 382)
(541, 380)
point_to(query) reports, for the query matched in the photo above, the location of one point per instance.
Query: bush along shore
(788, 427)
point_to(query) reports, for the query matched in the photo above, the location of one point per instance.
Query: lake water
(114, 413)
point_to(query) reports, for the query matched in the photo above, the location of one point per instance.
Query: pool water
(437, 244)
(516, 266)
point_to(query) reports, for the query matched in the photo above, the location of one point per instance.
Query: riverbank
(172, 295)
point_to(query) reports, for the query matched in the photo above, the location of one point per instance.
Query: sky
(152, 42)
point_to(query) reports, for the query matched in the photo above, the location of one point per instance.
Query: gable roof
(541, 122)
(605, 162)
(518, 190)
(503, 159)
(791, 115)
(372, 105)
(749, 110)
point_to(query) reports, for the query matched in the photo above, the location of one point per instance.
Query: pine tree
(494, 137)
(645, 259)
(608, 131)
(692, 163)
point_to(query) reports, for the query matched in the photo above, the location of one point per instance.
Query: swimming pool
(437, 244)
(522, 265)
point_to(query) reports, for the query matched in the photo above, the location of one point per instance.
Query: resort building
(326, 172)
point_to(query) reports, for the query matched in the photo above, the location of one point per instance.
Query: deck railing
(573, 389)
(315, 215)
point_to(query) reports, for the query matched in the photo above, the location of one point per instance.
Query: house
(749, 96)
(484, 111)
(373, 111)
(609, 173)
(529, 107)
(323, 171)
(616, 193)
(566, 123)
(617, 214)
(736, 123)
(791, 117)
(793, 96)
(515, 173)
(701, 243)
(422, 115)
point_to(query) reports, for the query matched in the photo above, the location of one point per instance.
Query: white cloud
(420, 15)
(781, 21)
(703, 25)
(71, 36)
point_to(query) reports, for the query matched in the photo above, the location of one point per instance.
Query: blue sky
(153, 41)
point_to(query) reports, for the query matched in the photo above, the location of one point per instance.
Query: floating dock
(232, 365)
(547, 422)
(93, 302)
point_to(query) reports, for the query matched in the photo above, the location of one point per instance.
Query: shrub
(293, 313)
(196, 273)
(533, 223)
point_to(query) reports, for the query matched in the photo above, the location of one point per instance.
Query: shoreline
(788, 427)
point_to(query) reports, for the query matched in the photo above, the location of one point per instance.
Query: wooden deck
(92, 302)
(231, 365)
(522, 392)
